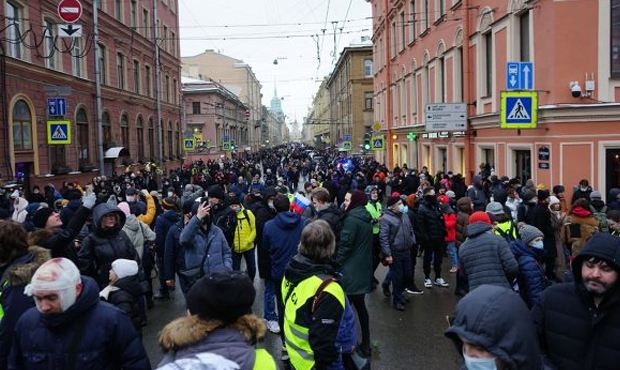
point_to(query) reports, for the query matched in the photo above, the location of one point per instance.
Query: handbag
(192, 275)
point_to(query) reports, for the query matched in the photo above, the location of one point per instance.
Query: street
(412, 339)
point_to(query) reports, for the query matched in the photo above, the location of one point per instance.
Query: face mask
(538, 245)
(479, 363)
(130, 198)
(36, 192)
(403, 208)
(270, 204)
(170, 194)
(583, 189)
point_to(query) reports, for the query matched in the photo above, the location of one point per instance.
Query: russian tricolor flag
(299, 203)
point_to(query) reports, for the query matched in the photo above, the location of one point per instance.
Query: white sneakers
(273, 326)
(441, 282)
(428, 283)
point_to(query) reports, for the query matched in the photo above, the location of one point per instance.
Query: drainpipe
(98, 104)
(160, 154)
(467, 95)
(388, 98)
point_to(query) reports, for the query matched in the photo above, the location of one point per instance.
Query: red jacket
(450, 220)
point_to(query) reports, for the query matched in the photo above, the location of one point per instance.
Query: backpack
(601, 217)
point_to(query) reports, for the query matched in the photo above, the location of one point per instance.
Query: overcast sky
(261, 25)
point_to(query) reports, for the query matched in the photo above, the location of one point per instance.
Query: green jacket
(354, 253)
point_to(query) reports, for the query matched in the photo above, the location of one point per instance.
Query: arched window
(81, 121)
(22, 126)
(107, 130)
(170, 151)
(151, 140)
(140, 137)
(125, 131)
(177, 142)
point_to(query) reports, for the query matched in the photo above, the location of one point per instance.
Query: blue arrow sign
(512, 76)
(519, 76)
(526, 70)
(56, 107)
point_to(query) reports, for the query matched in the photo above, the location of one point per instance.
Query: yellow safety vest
(263, 360)
(507, 228)
(375, 213)
(296, 336)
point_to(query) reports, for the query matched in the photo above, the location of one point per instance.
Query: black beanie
(39, 219)
(223, 296)
(216, 191)
(187, 206)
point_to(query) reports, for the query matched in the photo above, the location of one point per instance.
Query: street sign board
(346, 137)
(69, 10)
(56, 107)
(226, 138)
(59, 132)
(70, 30)
(376, 126)
(519, 76)
(446, 117)
(543, 153)
(377, 143)
(346, 145)
(519, 109)
(188, 143)
(226, 145)
(57, 90)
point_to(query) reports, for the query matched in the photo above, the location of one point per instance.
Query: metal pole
(160, 154)
(98, 106)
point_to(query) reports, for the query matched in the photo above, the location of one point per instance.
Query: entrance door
(523, 165)
(612, 169)
(442, 161)
(23, 170)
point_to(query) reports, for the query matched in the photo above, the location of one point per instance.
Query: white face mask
(130, 198)
(170, 193)
(538, 245)
(270, 204)
(473, 363)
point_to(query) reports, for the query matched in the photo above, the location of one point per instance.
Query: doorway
(23, 170)
(612, 169)
(442, 159)
(523, 165)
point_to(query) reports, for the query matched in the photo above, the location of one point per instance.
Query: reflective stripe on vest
(506, 228)
(375, 213)
(263, 360)
(296, 337)
(2, 287)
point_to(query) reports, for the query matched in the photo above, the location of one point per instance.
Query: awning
(117, 151)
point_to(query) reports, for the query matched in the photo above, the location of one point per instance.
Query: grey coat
(485, 258)
(396, 233)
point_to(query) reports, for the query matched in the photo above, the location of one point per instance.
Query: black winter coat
(262, 214)
(60, 241)
(334, 217)
(540, 217)
(430, 224)
(127, 298)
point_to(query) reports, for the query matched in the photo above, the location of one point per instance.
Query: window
(441, 80)
(167, 88)
(393, 40)
(77, 58)
(177, 142)
(164, 39)
(118, 9)
(170, 152)
(414, 93)
(13, 33)
(368, 100)
(403, 99)
(403, 31)
(173, 43)
(426, 87)
(615, 38)
(196, 107)
(140, 137)
(524, 37)
(145, 23)
(368, 67)
(50, 47)
(99, 4)
(488, 63)
(412, 20)
(441, 8)
(22, 126)
(103, 65)
(136, 76)
(107, 130)
(81, 120)
(458, 74)
(174, 91)
(425, 15)
(120, 70)
(125, 131)
(133, 9)
(147, 76)
(151, 140)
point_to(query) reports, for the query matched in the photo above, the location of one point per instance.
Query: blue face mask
(473, 363)
(403, 208)
(538, 245)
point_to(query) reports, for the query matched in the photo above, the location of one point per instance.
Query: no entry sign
(69, 10)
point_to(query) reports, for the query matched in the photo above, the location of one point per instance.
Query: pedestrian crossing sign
(226, 145)
(519, 109)
(378, 143)
(346, 145)
(188, 143)
(59, 132)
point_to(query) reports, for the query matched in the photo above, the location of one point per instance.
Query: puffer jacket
(463, 206)
(185, 338)
(396, 233)
(245, 232)
(108, 339)
(138, 232)
(162, 224)
(14, 278)
(578, 227)
(19, 210)
(430, 224)
(196, 242)
(485, 258)
(126, 294)
(532, 279)
(102, 246)
(449, 219)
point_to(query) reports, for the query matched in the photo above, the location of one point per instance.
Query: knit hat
(124, 206)
(233, 199)
(187, 206)
(131, 191)
(411, 200)
(392, 200)
(450, 194)
(495, 208)
(216, 191)
(558, 189)
(528, 195)
(543, 194)
(553, 200)
(529, 233)
(358, 198)
(602, 245)
(170, 203)
(479, 216)
(124, 267)
(224, 296)
(596, 195)
(443, 199)
(39, 219)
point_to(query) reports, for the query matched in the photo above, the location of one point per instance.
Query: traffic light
(233, 146)
(366, 144)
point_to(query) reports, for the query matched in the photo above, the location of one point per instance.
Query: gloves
(89, 200)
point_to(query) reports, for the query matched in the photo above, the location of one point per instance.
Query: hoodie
(138, 232)
(496, 319)
(19, 210)
(532, 279)
(281, 237)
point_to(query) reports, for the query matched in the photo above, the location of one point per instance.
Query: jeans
(250, 262)
(269, 303)
(280, 304)
(401, 274)
(453, 254)
(433, 252)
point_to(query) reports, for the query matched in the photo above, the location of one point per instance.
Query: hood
(21, 269)
(445, 208)
(86, 301)
(464, 205)
(188, 330)
(496, 319)
(20, 205)
(171, 215)
(581, 212)
(360, 213)
(301, 267)
(602, 245)
(477, 181)
(477, 228)
(520, 249)
(132, 223)
(104, 209)
(287, 220)
(131, 284)
(597, 205)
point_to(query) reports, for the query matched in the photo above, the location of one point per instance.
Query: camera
(575, 89)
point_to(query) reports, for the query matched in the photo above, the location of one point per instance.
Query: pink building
(453, 51)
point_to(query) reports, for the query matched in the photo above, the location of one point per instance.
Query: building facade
(237, 77)
(38, 65)
(444, 51)
(211, 113)
(350, 87)
(317, 124)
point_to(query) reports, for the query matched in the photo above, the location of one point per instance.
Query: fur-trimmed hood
(21, 270)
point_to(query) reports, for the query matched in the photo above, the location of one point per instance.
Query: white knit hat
(124, 267)
(553, 200)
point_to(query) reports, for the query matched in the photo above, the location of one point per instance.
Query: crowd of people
(82, 265)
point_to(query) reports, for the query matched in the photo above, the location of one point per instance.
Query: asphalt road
(407, 340)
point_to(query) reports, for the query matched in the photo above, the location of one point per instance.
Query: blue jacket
(531, 278)
(108, 338)
(196, 243)
(162, 225)
(174, 255)
(281, 237)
